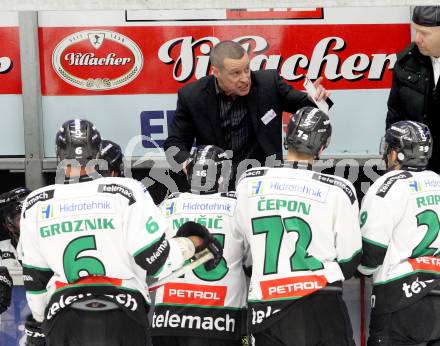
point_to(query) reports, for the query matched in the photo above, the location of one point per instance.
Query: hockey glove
(5, 289)
(34, 333)
(209, 242)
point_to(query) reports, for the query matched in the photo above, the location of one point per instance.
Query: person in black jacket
(414, 94)
(235, 109)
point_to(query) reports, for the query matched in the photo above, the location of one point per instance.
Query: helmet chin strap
(318, 154)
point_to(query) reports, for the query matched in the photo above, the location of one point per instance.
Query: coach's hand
(321, 92)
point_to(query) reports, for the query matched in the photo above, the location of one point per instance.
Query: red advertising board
(141, 58)
(10, 70)
(160, 59)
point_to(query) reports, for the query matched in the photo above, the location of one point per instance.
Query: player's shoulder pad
(254, 173)
(119, 186)
(390, 181)
(340, 183)
(229, 194)
(174, 195)
(40, 195)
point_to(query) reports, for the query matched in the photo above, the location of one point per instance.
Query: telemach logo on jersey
(97, 60)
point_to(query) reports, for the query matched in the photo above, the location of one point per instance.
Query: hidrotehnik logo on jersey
(97, 60)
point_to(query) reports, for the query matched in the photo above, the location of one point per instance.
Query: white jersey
(205, 303)
(97, 238)
(303, 232)
(400, 226)
(8, 255)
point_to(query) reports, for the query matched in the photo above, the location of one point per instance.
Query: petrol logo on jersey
(425, 263)
(293, 287)
(184, 293)
(97, 60)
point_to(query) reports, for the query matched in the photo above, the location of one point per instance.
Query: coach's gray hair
(225, 50)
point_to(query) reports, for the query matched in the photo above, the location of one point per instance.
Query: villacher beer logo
(97, 60)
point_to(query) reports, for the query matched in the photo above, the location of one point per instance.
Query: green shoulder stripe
(345, 260)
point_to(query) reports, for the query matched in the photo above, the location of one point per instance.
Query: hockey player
(88, 246)
(303, 231)
(400, 226)
(112, 153)
(206, 306)
(5, 288)
(10, 209)
(11, 203)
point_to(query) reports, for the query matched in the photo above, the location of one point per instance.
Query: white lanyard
(436, 68)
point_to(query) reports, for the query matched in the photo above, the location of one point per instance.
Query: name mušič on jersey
(205, 303)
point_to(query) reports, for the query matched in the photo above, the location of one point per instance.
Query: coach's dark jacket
(197, 115)
(413, 96)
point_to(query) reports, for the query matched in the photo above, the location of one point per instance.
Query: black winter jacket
(413, 97)
(411, 87)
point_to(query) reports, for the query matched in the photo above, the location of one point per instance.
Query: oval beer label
(97, 60)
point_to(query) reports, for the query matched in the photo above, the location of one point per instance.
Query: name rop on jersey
(423, 202)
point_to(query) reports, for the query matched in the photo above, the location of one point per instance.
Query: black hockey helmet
(11, 203)
(412, 141)
(77, 139)
(205, 169)
(112, 153)
(308, 130)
